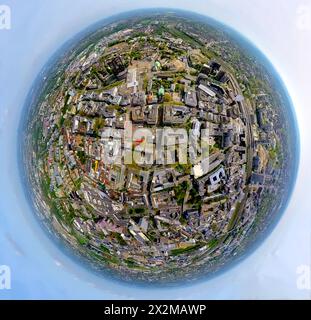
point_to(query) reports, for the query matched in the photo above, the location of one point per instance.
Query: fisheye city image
(155, 156)
(158, 148)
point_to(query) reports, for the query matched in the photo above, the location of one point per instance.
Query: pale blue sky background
(281, 29)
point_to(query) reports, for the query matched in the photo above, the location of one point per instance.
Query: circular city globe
(159, 146)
